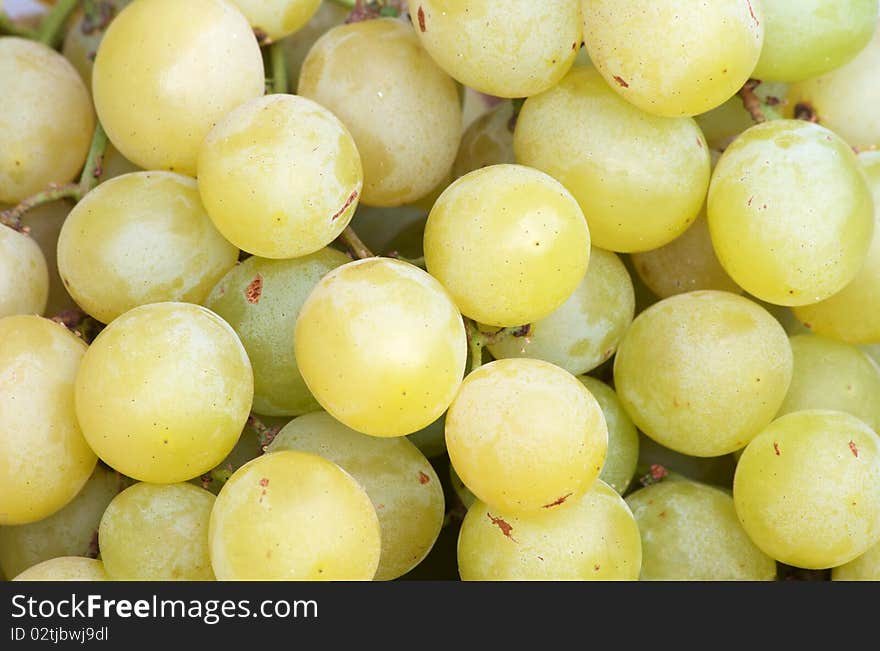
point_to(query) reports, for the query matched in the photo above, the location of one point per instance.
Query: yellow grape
(369, 71)
(702, 373)
(381, 346)
(864, 568)
(790, 213)
(293, 516)
(595, 538)
(670, 59)
(141, 238)
(280, 176)
(297, 48)
(24, 276)
(167, 71)
(399, 480)
(44, 458)
(84, 35)
(277, 18)
(525, 435)
(487, 141)
(152, 532)
(509, 243)
(640, 179)
(46, 119)
(515, 51)
(807, 489)
(66, 568)
(163, 392)
(584, 331)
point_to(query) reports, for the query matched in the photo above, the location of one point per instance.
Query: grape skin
(487, 141)
(864, 568)
(277, 18)
(24, 275)
(65, 568)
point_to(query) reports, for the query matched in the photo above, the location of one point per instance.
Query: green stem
(9, 28)
(346, 3)
(94, 166)
(52, 28)
(278, 63)
(265, 434)
(477, 339)
(354, 244)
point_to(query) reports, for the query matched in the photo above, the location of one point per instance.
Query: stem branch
(354, 244)
(278, 63)
(9, 28)
(52, 28)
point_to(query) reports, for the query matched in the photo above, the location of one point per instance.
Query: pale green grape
(670, 59)
(167, 71)
(293, 516)
(83, 37)
(487, 141)
(399, 480)
(525, 435)
(45, 224)
(44, 458)
(65, 568)
(152, 532)
(702, 373)
(594, 538)
(690, 533)
(584, 331)
(261, 300)
(873, 352)
(379, 227)
(807, 489)
(639, 178)
(724, 123)
(280, 176)
(141, 238)
(402, 109)
(46, 119)
(790, 212)
(669, 465)
(830, 374)
(381, 346)
(461, 491)
(509, 243)
(853, 313)
(623, 439)
(296, 48)
(24, 276)
(864, 568)
(163, 392)
(431, 440)
(807, 38)
(517, 52)
(277, 18)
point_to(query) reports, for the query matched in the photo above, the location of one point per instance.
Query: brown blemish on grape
(264, 482)
(854, 449)
(596, 567)
(423, 478)
(574, 46)
(348, 202)
(540, 558)
(662, 514)
(776, 448)
(558, 501)
(750, 201)
(699, 143)
(805, 111)
(422, 26)
(254, 290)
(505, 527)
(621, 81)
(752, 12)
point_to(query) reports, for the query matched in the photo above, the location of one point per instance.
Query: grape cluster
(624, 322)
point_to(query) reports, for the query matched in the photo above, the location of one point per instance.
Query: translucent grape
(277, 18)
(864, 568)
(593, 538)
(297, 48)
(431, 440)
(84, 35)
(44, 459)
(163, 392)
(640, 179)
(167, 71)
(702, 373)
(399, 480)
(517, 52)
(24, 276)
(44, 224)
(658, 463)
(807, 489)
(461, 491)
(65, 568)
(790, 213)
(690, 533)
(487, 141)
(293, 516)
(141, 238)
(381, 346)
(585, 330)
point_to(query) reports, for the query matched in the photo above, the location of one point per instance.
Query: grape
(163, 392)
(69, 532)
(141, 238)
(702, 373)
(807, 38)
(690, 533)
(280, 176)
(65, 568)
(593, 538)
(261, 299)
(46, 119)
(461, 491)
(790, 213)
(658, 463)
(297, 48)
(585, 330)
(686, 264)
(399, 480)
(509, 243)
(402, 110)
(153, 532)
(44, 459)
(83, 37)
(277, 18)
(623, 439)
(640, 179)
(167, 71)
(431, 440)
(829, 374)
(293, 516)
(807, 489)
(381, 346)
(44, 223)
(487, 141)
(672, 60)
(864, 568)
(24, 276)
(525, 435)
(839, 99)
(724, 123)
(873, 352)
(515, 51)
(853, 314)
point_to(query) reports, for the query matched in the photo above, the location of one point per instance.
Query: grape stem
(52, 28)
(265, 434)
(477, 339)
(355, 245)
(80, 324)
(760, 110)
(368, 9)
(9, 28)
(418, 262)
(278, 64)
